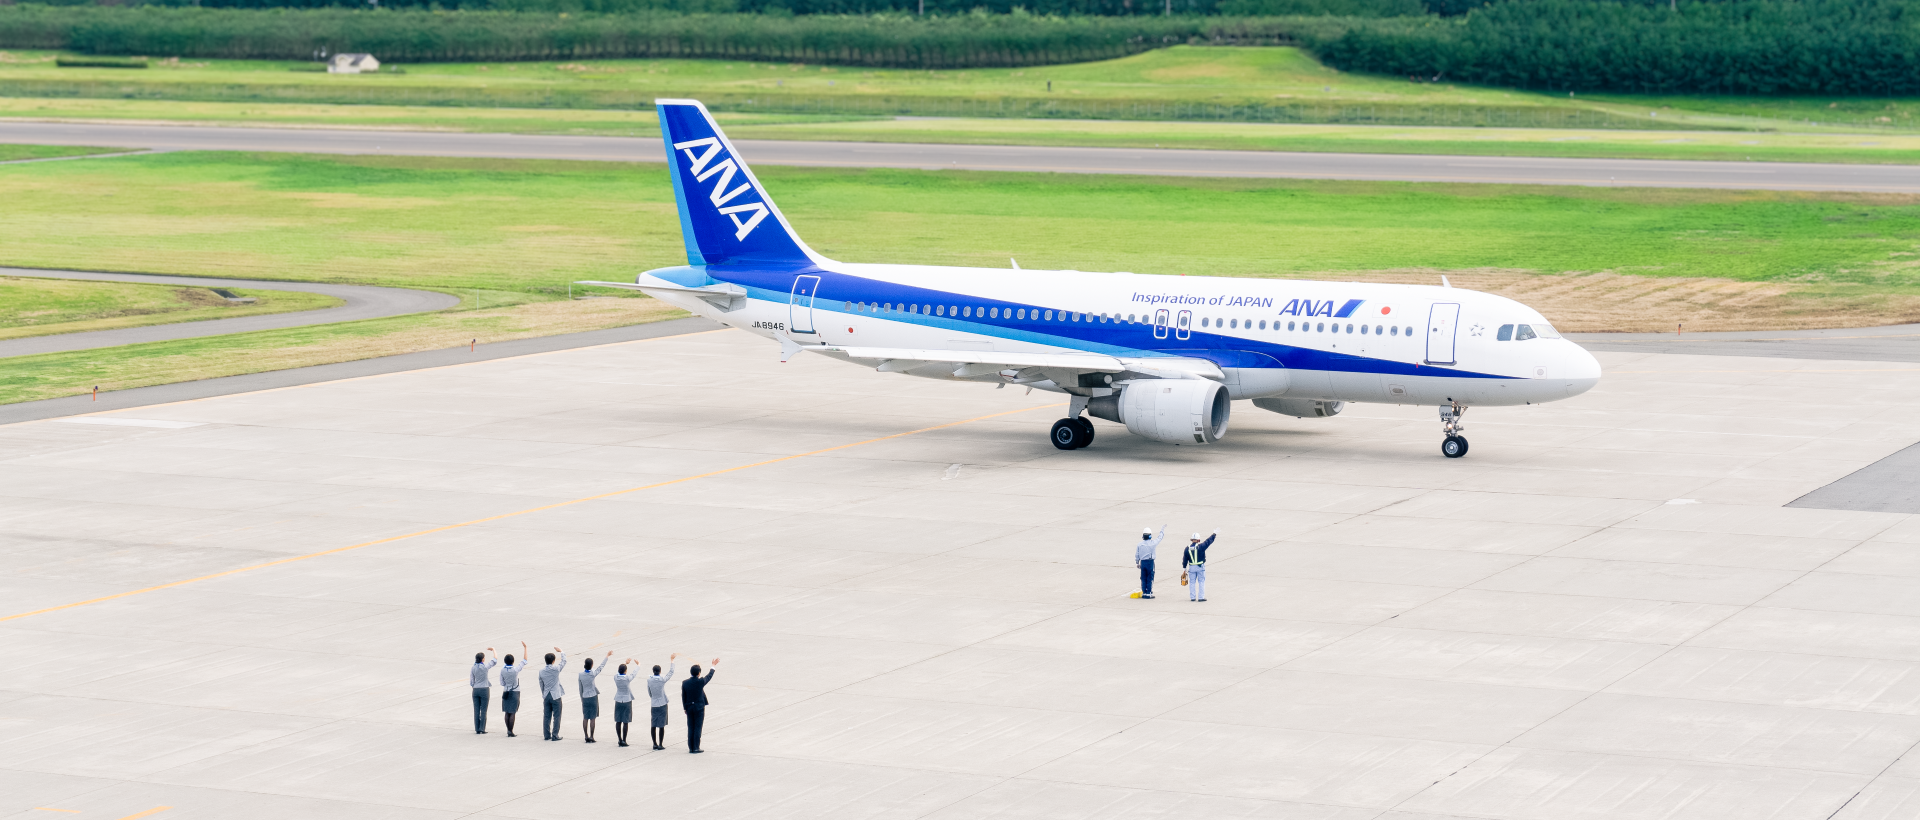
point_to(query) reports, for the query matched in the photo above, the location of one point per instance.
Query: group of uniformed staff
(1193, 562)
(693, 695)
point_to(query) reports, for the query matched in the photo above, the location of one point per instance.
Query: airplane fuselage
(1270, 338)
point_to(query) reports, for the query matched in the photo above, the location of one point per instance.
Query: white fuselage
(1270, 338)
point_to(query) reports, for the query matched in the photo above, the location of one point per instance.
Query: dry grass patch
(1615, 303)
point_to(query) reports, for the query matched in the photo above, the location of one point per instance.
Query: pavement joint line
(1790, 370)
(85, 156)
(515, 514)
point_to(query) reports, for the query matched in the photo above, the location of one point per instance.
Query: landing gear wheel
(1453, 446)
(1067, 435)
(1086, 426)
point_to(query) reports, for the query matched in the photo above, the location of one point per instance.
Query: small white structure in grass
(352, 64)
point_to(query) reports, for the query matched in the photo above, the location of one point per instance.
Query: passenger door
(1442, 320)
(800, 305)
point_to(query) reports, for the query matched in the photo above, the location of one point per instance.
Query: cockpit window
(1524, 333)
(1506, 333)
(1546, 331)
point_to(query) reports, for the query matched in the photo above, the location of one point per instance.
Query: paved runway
(1891, 343)
(1782, 176)
(1603, 612)
(362, 302)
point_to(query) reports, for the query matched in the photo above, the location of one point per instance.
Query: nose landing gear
(1073, 433)
(1454, 445)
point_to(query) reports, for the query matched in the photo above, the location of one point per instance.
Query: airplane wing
(1085, 363)
(967, 363)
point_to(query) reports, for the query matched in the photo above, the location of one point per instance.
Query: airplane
(1166, 356)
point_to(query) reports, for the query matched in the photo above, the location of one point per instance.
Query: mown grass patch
(42, 307)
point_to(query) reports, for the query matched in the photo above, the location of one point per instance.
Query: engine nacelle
(1174, 411)
(1303, 408)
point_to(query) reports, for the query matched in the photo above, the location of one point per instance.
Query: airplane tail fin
(725, 214)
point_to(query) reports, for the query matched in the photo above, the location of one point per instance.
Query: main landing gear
(1073, 433)
(1454, 445)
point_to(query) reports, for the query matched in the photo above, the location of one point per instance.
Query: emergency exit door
(1442, 320)
(800, 306)
(1160, 324)
(1183, 326)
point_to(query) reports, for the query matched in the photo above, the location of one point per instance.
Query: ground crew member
(550, 694)
(510, 689)
(657, 702)
(693, 698)
(622, 701)
(1143, 558)
(482, 691)
(1195, 565)
(590, 696)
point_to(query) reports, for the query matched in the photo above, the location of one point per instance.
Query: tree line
(1840, 47)
(973, 40)
(1231, 8)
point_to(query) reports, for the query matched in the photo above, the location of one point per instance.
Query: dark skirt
(590, 707)
(659, 717)
(510, 702)
(623, 712)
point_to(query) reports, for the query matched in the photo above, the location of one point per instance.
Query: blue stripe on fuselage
(1122, 339)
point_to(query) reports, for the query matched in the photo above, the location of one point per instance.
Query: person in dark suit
(693, 698)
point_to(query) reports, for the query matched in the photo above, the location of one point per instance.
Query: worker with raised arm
(551, 692)
(482, 690)
(657, 702)
(1194, 563)
(510, 687)
(1143, 555)
(590, 696)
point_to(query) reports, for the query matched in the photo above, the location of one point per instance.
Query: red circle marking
(1385, 310)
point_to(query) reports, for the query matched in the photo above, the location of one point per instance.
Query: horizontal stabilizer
(722, 295)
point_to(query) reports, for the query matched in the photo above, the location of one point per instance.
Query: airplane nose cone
(1581, 368)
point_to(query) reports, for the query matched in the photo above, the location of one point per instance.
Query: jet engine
(1174, 411)
(1303, 408)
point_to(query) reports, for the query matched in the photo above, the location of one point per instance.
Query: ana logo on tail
(755, 211)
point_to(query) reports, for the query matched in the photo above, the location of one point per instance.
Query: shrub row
(1361, 8)
(1841, 47)
(418, 36)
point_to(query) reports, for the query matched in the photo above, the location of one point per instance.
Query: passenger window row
(969, 312)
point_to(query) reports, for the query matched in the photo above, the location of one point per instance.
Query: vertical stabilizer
(725, 214)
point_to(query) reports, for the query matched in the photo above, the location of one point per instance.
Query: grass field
(15, 153)
(52, 375)
(1890, 148)
(531, 227)
(1152, 85)
(510, 235)
(41, 307)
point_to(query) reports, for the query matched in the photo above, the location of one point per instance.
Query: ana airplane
(1164, 355)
